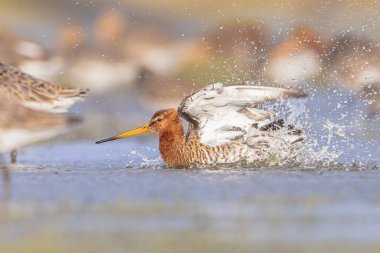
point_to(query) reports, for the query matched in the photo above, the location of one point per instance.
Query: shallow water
(119, 195)
(81, 191)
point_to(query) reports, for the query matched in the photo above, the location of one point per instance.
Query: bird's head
(160, 122)
(163, 120)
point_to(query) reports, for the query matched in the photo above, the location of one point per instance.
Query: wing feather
(220, 113)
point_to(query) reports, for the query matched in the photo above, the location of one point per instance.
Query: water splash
(332, 128)
(140, 159)
(335, 127)
(323, 151)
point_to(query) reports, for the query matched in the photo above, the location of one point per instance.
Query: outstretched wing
(36, 93)
(221, 113)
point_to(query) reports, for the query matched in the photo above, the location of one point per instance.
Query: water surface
(85, 192)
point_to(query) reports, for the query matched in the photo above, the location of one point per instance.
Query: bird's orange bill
(140, 130)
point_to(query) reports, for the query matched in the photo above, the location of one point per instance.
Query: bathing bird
(226, 128)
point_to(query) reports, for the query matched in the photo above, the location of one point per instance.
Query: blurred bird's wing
(221, 113)
(36, 93)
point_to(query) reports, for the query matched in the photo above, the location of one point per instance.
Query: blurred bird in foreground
(35, 93)
(354, 63)
(225, 128)
(21, 126)
(297, 59)
(23, 90)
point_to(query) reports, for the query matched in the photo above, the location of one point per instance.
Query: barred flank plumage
(269, 140)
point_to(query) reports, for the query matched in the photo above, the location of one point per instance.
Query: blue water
(123, 186)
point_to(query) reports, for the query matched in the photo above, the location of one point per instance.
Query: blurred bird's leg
(6, 181)
(2, 163)
(14, 156)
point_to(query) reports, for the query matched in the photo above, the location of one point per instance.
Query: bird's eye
(159, 119)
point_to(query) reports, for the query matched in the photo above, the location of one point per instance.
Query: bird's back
(35, 93)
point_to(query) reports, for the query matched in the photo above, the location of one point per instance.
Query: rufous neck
(172, 134)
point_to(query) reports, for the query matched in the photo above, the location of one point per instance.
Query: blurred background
(140, 56)
(147, 56)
